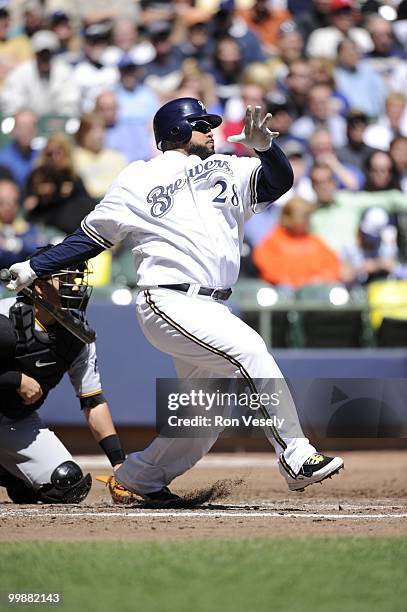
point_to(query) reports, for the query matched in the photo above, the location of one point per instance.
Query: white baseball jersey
(184, 215)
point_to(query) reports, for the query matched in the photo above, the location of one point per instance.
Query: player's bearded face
(201, 145)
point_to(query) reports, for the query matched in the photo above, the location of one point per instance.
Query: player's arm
(101, 425)
(76, 248)
(85, 378)
(106, 225)
(275, 176)
(12, 380)
(28, 388)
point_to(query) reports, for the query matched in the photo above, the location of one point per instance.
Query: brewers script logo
(161, 197)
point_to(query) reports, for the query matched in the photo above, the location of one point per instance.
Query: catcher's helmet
(173, 121)
(73, 287)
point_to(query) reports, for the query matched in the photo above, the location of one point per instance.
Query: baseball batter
(185, 212)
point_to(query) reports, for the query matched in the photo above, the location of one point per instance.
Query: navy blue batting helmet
(173, 122)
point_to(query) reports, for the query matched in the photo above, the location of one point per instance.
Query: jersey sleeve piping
(106, 244)
(253, 187)
(90, 394)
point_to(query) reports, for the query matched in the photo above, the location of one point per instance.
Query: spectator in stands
(17, 237)
(381, 172)
(323, 42)
(160, 10)
(168, 59)
(355, 152)
(133, 140)
(125, 42)
(32, 17)
(291, 256)
(295, 7)
(323, 73)
(18, 156)
(322, 151)
(392, 123)
(299, 160)
(69, 44)
(400, 25)
(258, 226)
(13, 49)
(101, 11)
(387, 54)
(198, 84)
(336, 217)
(314, 17)
(258, 75)
(56, 196)
(282, 121)
(321, 112)
(372, 254)
(251, 94)
(398, 79)
(226, 22)
(362, 87)
(137, 101)
(91, 75)
(264, 19)
(290, 43)
(227, 67)
(44, 84)
(297, 85)
(290, 48)
(198, 43)
(398, 153)
(97, 166)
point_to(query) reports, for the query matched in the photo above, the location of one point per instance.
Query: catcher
(36, 351)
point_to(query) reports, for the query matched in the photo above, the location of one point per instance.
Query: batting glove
(255, 133)
(23, 274)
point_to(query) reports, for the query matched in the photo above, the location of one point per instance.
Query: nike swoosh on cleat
(41, 364)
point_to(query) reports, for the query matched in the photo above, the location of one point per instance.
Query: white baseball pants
(29, 450)
(205, 340)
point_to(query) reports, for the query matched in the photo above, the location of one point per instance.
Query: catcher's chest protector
(45, 356)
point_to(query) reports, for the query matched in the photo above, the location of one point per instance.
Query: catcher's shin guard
(68, 485)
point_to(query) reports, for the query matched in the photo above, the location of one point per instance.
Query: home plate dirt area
(250, 499)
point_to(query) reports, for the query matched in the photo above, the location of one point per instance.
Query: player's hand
(29, 389)
(255, 133)
(24, 276)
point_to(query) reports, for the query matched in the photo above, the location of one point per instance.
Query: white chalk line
(181, 514)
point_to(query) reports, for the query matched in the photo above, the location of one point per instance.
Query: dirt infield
(368, 498)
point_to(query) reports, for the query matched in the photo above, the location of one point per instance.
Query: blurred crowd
(81, 81)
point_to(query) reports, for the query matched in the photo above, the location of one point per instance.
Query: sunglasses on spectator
(201, 126)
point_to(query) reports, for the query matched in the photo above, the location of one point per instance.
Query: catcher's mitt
(119, 493)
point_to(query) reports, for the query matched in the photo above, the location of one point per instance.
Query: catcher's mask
(72, 287)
